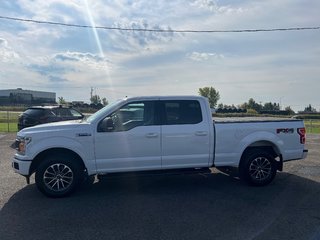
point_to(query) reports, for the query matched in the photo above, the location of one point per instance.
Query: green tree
(252, 104)
(212, 95)
(95, 99)
(289, 109)
(271, 106)
(309, 109)
(220, 105)
(105, 101)
(61, 100)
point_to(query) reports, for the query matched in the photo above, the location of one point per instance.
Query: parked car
(46, 114)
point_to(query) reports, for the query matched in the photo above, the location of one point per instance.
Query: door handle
(151, 135)
(201, 133)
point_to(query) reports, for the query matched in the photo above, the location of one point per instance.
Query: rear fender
(262, 139)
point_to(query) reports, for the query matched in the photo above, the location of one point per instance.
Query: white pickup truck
(158, 134)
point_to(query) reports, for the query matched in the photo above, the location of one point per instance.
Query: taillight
(302, 134)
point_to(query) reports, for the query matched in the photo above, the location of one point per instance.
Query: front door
(129, 139)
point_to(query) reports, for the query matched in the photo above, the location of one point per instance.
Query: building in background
(21, 96)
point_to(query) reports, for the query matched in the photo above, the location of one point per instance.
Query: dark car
(46, 114)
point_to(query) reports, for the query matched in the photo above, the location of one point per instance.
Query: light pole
(281, 102)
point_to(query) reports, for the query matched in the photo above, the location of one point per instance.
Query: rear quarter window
(34, 112)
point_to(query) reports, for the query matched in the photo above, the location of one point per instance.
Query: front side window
(75, 113)
(182, 112)
(128, 117)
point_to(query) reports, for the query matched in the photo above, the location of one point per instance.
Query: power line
(159, 30)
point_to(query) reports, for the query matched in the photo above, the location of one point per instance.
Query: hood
(54, 127)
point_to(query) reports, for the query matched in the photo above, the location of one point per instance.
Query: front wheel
(57, 176)
(258, 168)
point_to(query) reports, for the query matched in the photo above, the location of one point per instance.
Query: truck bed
(252, 119)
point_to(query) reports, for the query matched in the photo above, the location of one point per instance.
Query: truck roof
(169, 97)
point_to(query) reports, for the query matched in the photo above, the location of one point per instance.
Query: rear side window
(34, 112)
(182, 112)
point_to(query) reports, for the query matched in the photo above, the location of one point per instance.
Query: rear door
(185, 135)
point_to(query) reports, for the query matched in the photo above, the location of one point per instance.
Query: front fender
(83, 148)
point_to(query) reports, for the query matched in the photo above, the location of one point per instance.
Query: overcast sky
(281, 67)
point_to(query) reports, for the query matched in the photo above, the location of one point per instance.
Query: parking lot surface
(166, 207)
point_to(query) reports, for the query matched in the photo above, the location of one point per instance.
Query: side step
(185, 171)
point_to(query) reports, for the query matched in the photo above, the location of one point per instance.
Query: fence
(9, 121)
(312, 125)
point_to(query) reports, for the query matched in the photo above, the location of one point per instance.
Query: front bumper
(21, 166)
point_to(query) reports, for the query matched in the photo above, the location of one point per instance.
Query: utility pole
(91, 93)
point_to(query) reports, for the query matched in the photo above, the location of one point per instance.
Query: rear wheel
(58, 176)
(258, 168)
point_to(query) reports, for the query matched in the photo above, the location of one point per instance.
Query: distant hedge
(308, 116)
(275, 112)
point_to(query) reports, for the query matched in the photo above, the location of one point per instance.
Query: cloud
(56, 79)
(213, 6)
(66, 66)
(201, 57)
(7, 54)
(138, 39)
(209, 4)
(82, 60)
(3, 43)
(49, 69)
(79, 57)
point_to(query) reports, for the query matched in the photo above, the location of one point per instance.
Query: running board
(185, 171)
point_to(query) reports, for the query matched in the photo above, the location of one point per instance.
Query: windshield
(99, 114)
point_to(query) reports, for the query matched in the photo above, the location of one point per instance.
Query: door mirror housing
(106, 125)
(109, 125)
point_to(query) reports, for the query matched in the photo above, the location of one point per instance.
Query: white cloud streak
(200, 57)
(7, 54)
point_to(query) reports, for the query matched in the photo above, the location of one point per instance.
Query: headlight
(21, 144)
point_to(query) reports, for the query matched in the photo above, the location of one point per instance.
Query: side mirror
(106, 125)
(109, 125)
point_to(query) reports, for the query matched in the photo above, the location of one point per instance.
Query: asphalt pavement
(166, 207)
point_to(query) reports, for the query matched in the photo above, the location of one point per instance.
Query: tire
(258, 168)
(58, 176)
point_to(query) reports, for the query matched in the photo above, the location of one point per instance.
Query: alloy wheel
(260, 169)
(58, 177)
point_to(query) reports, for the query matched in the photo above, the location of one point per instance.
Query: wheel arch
(55, 151)
(267, 146)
